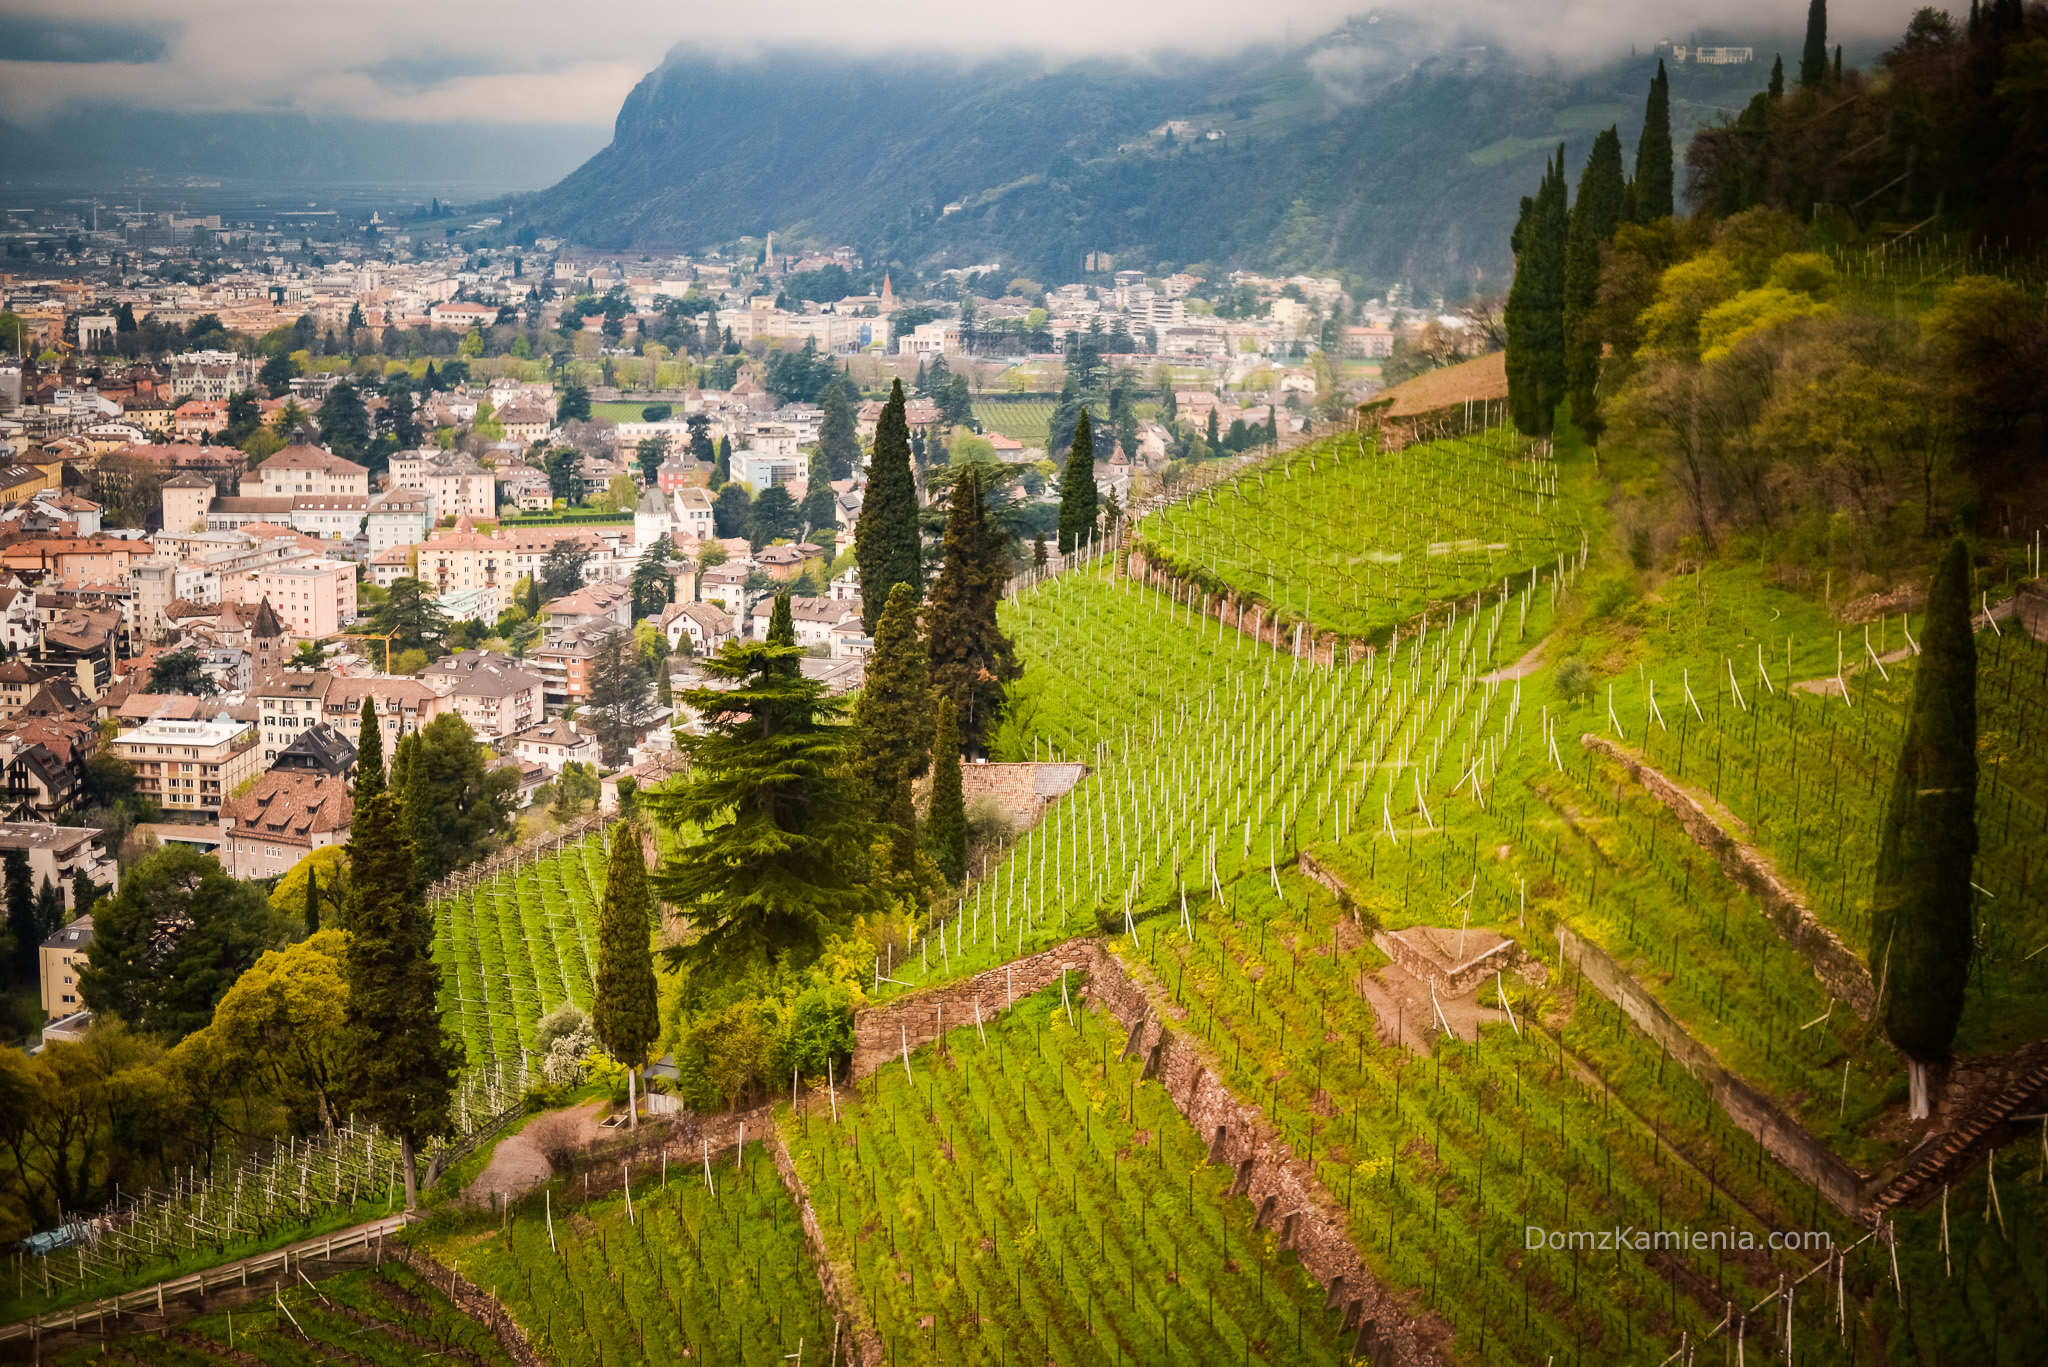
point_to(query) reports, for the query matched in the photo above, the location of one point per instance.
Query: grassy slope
(715, 1273)
(1022, 1188)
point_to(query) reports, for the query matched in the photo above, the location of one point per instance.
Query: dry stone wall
(1787, 1140)
(1834, 963)
(1384, 1325)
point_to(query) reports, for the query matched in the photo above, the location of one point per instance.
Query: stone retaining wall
(841, 1292)
(1786, 1139)
(1838, 967)
(1284, 1190)
(881, 1032)
(473, 1301)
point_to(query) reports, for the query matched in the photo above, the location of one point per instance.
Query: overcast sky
(544, 61)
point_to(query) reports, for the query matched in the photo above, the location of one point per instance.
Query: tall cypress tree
(312, 901)
(1535, 307)
(411, 776)
(721, 464)
(21, 909)
(1653, 187)
(1776, 90)
(1077, 487)
(1921, 926)
(838, 434)
(398, 1064)
(891, 718)
(369, 752)
(1593, 220)
(820, 503)
(946, 829)
(886, 548)
(972, 661)
(625, 1018)
(1813, 55)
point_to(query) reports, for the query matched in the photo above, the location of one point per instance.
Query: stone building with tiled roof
(287, 815)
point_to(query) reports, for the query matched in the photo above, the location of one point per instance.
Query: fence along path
(281, 1261)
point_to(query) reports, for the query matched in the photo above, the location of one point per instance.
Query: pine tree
(369, 752)
(312, 901)
(1593, 220)
(891, 718)
(777, 861)
(1077, 488)
(1921, 910)
(21, 909)
(972, 661)
(398, 1064)
(1813, 55)
(1535, 306)
(1653, 185)
(887, 548)
(838, 434)
(1038, 555)
(946, 828)
(625, 1018)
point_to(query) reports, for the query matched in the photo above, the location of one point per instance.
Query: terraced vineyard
(1214, 755)
(1356, 539)
(389, 1317)
(679, 1270)
(516, 947)
(1021, 1198)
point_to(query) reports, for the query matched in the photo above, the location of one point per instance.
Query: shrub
(1574, 681)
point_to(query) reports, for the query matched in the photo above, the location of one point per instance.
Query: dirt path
(1520, 669)
(1979, 621)
(517, 1166)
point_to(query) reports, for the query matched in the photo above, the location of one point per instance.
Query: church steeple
(888, 294)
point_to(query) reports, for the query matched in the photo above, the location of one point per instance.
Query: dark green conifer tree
(1777, 86)
(778, 859)
(946, 828)
(312, 901)
(972, 661)
(1535, 306)
(887, 548)
(1077, 488)
(1653, 187)
(369, 752)
(1593, 219)
(820, 503)
(626, 1018)
(892, 717)
(398, 1064)
(1273, 425)
(838, 434)
(1813, 55)
(1922, 927)
(20, 886)
(721, 465)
